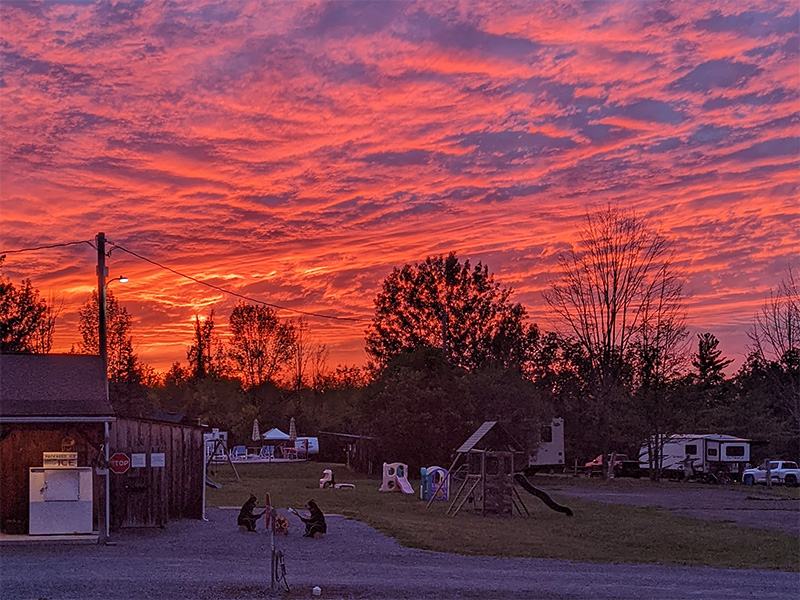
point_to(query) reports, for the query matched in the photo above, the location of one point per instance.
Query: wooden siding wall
(150, 496)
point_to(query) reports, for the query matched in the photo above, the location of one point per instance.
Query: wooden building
(49, 403)
(166, 477)
(356, 451)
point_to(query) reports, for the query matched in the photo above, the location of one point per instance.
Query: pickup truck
(780, 471)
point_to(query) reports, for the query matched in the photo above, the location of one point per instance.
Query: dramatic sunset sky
(296, 152)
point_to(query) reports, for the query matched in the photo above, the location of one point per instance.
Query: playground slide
(212, 484)
(404, 486)
(528, 487)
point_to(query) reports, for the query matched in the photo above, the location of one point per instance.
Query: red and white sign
(120, 463)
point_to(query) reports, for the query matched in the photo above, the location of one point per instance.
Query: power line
(232, 293)
(46, 247)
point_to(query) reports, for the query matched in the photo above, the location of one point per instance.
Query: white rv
(550, 451)
(687, 453)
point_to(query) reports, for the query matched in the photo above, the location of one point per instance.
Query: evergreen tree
(709, 362)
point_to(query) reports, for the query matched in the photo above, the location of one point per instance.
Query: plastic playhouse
(395, 478)
(434, 483)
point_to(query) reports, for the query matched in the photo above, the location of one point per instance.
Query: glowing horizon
(297, 152)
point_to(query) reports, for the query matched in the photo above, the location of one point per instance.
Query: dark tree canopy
(619, 297)
(123, 364)
(443, 303)
(26, 319)
(422, 407)
(205, 355)
(260, 345)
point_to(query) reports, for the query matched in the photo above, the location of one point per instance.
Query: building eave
(76, 419)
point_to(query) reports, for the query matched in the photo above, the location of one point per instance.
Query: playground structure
(484, 473)
(434, 483)
(328, 481)
(395, 478)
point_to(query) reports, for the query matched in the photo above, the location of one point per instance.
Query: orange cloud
(298, 152)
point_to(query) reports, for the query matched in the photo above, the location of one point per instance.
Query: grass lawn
(597, 533)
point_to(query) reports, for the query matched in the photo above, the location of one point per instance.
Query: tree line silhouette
(449, 349)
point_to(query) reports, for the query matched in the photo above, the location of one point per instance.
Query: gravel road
(751, 507)
(214, 560)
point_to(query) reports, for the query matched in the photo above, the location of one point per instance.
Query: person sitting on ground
(316, 521)
(247, 517)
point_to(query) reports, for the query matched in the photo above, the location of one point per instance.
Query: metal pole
(272, 559)
(205, 475)
(108, 484)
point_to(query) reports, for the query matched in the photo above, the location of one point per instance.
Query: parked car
(598, 462)
(622, 466)
(780, 471)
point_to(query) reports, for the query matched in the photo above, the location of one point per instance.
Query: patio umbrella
(292, 430)
(256, 433)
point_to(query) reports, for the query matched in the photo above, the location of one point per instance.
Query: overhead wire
(231, 292)
(189, 277)
(47, 247)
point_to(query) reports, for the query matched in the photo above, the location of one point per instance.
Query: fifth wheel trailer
(550, 451)
(685, 453)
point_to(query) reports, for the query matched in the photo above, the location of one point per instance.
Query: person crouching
(247, 517)
(315, 523)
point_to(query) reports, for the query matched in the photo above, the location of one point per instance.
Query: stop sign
(119, 462)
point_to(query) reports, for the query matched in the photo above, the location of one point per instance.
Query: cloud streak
(299, 151)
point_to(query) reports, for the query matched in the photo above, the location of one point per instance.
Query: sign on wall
(59, 460)
(120, 463)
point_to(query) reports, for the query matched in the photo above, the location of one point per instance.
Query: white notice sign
(157, 460)
(139, 460)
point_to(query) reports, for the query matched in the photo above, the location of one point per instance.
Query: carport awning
(275, 435)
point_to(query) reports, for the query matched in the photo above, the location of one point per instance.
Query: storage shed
(50, 403)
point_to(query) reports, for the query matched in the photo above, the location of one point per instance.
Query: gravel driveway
(193, 559)
(752, 507)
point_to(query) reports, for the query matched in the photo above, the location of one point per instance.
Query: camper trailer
(550, 451)
(686, 454)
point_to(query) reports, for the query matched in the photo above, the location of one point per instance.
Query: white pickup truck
(780, 471)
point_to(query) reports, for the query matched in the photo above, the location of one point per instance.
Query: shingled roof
(56, 387)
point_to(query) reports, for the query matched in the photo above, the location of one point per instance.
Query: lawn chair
(267, 452)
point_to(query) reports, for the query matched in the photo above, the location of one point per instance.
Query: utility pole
(102, 273)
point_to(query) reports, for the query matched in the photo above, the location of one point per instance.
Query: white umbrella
(256, 434)
(292, 430)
